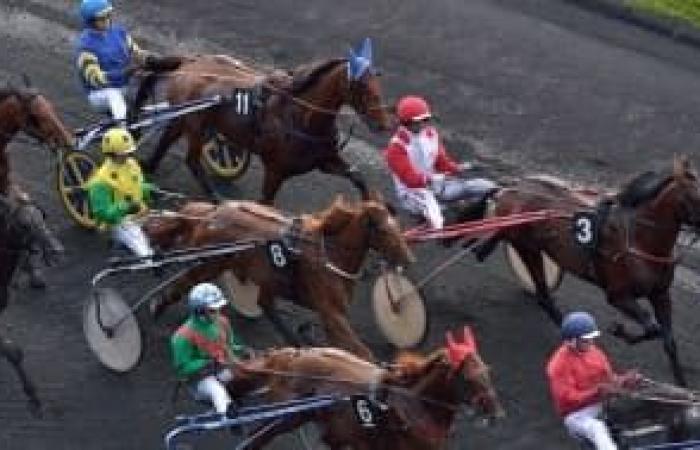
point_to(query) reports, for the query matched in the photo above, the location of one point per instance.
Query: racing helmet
(205, 296)
(579, 325)
(412, 108)
(118, 141)
(94, 9)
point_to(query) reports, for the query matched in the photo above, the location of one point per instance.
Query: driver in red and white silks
(423, 172)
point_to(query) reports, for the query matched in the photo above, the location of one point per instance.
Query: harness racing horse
(634, 253)
(320, 264)
(292, 124)
(416, 398)
(28, 111)
(22, 226)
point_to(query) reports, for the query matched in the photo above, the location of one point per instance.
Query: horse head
(42, 122)
(385, 234)
(364, 91)
(451, 376)
(686, 192)
(26, 225)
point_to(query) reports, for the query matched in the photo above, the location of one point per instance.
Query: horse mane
(642, 188)
(305, 76)
(335, 217)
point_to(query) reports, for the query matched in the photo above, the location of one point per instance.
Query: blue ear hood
(360, 60)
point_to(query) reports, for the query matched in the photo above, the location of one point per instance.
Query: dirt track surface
(527, 85)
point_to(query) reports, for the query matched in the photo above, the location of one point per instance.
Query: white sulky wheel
(553, 273)
(117, 348)
(242, 296)
(399, 310)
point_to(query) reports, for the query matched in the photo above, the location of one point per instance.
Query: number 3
(584, 230)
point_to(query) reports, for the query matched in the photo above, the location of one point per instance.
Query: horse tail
(155, 67)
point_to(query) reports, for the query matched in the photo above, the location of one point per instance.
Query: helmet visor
(591, 335)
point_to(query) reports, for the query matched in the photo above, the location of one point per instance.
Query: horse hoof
(35, 409)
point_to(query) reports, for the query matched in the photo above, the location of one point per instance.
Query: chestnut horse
(293, 125)
(28, 111)
(325, 252)
(634, 255)
(419, 395)
(22, 227)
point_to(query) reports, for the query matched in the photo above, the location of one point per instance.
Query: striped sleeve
(89, 68)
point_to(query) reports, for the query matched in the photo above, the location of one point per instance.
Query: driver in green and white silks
(118, 193)
(205, 347)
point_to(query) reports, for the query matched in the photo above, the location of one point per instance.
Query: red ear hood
(457, 351)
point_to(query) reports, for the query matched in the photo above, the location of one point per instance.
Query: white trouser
(109, 101)
(212, 389)
(586, 423)
(425, 202)
(131, 235)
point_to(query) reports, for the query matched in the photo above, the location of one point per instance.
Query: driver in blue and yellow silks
(105, 54)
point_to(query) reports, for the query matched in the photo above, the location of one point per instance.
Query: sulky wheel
(399, 310)
(243, 297)
(553, 273)
(111, 330)
(223, 160)
(74, 170)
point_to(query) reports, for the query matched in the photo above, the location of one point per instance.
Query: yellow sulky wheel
(223, 160)
(74, 169)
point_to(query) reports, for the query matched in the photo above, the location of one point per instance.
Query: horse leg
(336, 165)
(171, 134)
(631, 308)
(534, 262)
(14, 355)
(339, 332)
(663, 311)
(266, 433)
(272, 181)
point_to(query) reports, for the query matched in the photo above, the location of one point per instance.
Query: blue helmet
(205, 296)
(94, 9)
(579, 325)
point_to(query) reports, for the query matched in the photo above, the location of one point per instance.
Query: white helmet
(205, 296)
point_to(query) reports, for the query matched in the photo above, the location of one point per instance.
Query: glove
(132, 208)
(468, 166)
(630, 380)
(212, 368)
(437, 182)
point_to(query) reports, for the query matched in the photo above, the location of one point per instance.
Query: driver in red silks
(580, 377)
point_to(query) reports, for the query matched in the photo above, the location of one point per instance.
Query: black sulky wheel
(224, 160)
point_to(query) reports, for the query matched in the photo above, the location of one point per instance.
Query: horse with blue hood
(290, 120)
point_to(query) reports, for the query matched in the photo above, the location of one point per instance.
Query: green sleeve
(103, 206)
(148, 189)
(186, 359)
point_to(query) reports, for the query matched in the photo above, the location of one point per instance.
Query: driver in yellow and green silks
(118, 193)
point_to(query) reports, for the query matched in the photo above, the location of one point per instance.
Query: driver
(423, 172)
(580, 377)
(205, 347)
(105, 56)
(117, 192)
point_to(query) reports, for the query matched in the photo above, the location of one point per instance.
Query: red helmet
(413, 109)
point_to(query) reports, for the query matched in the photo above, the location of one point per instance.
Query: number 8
(363, 411)
(277, 253)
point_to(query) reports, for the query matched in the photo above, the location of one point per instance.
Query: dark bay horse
(326, 253)
(634, 255)
(293, 126)
(26, 110)
(22, 227)
(421, 394)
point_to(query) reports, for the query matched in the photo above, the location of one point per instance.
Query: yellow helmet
(118, 141)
